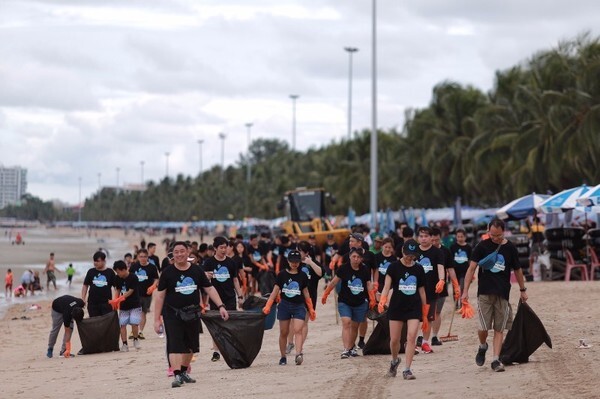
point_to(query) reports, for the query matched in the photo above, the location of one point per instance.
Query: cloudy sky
(90, 86)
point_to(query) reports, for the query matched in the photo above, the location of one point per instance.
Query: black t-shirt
(381, 264)
(354, 284)
(153, 260)
(146, 276)
(64, 305)
(329, 250)
(313, 279)
(164, 264)
(497, 280)
(100, 283)
(224, 271)
(429, 259)
(291, 286)
(124, 285)
(405, 283)
(257, 254)
(183, 287)
(460, 258)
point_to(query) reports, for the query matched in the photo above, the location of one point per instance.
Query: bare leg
(395, 333)
(411, 337)
(298, 325)
(284, 329)
(436, 324)
(498, 343)
(346, 333)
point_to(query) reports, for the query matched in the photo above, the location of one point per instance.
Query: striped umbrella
(591, 198)
(521, 207)
(564, 201)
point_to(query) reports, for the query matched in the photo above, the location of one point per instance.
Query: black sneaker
(419, 341)
(408, 375)
(393, 368)
(497, 366)
(185, 377)
(283, 361)
(353, 352)
(345, 354)
(361, 344)
(215, 357)
(141, 335)
(435, 341)
(177, 382)
(480, 358)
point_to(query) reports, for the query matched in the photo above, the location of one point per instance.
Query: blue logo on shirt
(100, 281)
(221, 274)
(408, 286)
(186, 286)
(291, 289)
(461, 256)
(426, 263)
(141, 275)
(356, 286)
(383, 266)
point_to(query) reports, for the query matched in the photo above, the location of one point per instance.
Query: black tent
(99, 334)
(526, 335)
(239, 339)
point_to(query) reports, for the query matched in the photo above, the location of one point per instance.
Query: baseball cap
(411, 247)
(294, 256)
(357, 236)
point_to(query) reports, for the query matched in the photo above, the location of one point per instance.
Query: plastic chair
(572, 265)
(595, 263)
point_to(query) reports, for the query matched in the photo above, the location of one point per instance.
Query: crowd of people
(405, 275)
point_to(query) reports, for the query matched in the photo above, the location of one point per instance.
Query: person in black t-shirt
(65, 309)
(152, 258)
(244, 264)
(461, 253)
(407, 305)
(258, 257)
(98, 283)
(356, 287)
(330, 248)
(147, 275)
(494, 289)
(295, 301)
(223, 276)
(179, 287)
(127, 299)
(383, 260)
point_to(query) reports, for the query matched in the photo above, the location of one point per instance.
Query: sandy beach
(567, 310)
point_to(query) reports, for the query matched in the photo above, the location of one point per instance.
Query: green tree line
(536, 130)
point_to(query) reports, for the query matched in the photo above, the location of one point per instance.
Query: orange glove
(456, 289)
(267, 308)
(202, 308)
(332, 265)
(376, 286)
(425, 310)
(152, 288)
(277, 266)
(372, 300)
(439, 287)
(382, 303)
(67, 352)
(466, 311)
(278, 298)
(116, 303)
(312, 315)
(244, 283)
(326, 293)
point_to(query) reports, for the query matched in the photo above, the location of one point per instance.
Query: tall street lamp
(142, 171)
(373, 188)
(222, 137)
(79, 207)
(200, 149)
(351, 51)
(294, 97)
(99, 181)
(167, 164)
(118, 170)
(248, 161)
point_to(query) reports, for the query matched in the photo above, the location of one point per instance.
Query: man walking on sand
(493, 288)
(50, 271)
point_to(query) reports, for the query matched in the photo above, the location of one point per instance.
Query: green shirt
(70, 271)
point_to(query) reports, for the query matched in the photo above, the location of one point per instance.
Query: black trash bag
(526, 335)
(254, 302)
(239, 339)
(266, 281)
(99, 334)
(379, 340)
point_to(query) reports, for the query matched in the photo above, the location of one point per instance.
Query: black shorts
(99, 309)
(145, 302)
(404, 314)
(182, 337)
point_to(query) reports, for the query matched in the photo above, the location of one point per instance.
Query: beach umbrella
(521, 207)
(591, 198)
(564, 201)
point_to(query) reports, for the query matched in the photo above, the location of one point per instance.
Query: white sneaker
(124, 348)
(136, 344)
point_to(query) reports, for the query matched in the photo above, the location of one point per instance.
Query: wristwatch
(221, 306)
(523, 289)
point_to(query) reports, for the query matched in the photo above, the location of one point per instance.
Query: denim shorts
(356, 313)
(287, 310)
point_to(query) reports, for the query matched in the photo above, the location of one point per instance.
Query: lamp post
(248, 161)
(200, 149)
(222, 137)
(373, 188)
(167, 164)
(79, 207)
(142, 171)
(118, 170)
(351, 51)
(99, 181)
(294, 97)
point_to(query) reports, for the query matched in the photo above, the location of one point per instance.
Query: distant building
(13, 184)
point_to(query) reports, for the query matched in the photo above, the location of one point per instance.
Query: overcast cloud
(89, 86)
